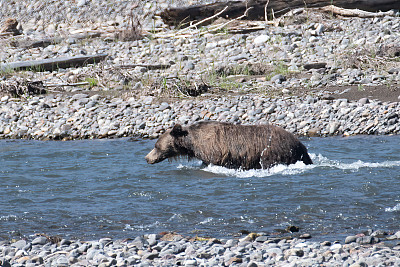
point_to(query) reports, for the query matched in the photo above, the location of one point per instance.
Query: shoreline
(314, 75)
(254, 249)
(81, 116)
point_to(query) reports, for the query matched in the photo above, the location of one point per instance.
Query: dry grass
(20, 87)
(364, 58)
(134, 30)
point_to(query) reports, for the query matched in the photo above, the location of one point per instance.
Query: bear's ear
(178, 131)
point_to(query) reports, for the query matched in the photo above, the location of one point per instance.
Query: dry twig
(65, 84)
(354, 12)
(194, 26)
(222, 25)
(192, 30)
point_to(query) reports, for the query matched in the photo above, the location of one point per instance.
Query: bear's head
(166, 146)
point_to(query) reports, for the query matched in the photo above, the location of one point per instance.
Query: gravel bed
(278, 75)
(81, 116)
(310, 50)
(166, 249)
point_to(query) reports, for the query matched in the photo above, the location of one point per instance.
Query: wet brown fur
(231, 146)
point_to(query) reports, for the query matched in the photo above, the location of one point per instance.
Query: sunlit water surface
(104, 188)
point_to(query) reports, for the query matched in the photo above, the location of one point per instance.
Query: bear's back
(244, 146)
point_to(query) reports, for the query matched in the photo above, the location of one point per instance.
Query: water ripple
(97, 188)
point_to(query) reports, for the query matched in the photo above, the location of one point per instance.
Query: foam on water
(320, 160)
(177, 217)
(395, 208)
(141, 226)
(360, 164)
(293, 169)
(207, 220)
(297, 168)
(8, 218)
(191, 164)
(106, 188)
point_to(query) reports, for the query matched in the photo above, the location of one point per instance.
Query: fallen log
(55, 40)
(354, 12)
(52, 64)
(182, 16)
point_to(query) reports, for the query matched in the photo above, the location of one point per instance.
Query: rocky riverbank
(314, 75)
(80, 116)
(304, 54)
(368, 249)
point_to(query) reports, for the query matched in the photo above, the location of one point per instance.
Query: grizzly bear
(231, 146)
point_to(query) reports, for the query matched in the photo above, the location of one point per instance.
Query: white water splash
(129, 227)
(8, 218)
(360, 164)
(395, 208)
(247, 219)
(177, 217)
(322, 161)
(191, 164)
(297, 168)
(207, 220)
(293, 169)
(141, 194)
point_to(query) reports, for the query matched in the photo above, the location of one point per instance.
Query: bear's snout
(151, 158)
(148, 160)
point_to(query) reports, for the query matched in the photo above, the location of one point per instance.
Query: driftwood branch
(355, 12)
(6, 34)
(55, 40)
(66, 84)
(53, 63)
(204, 20)
(175, 16)
(212, 29)
(219, 27)
(148, 66)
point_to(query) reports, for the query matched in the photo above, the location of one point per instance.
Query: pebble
(71, 117)
(324, 48)
(311, 46)
(41, 240)
(261, 39)
(146, 251)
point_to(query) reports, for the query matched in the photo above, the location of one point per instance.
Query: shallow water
(104, 188)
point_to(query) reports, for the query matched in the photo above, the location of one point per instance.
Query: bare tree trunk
(183, 15)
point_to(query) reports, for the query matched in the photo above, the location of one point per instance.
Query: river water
(104, 188)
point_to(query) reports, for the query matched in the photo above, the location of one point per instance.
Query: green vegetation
(220, 78)
(92, 82)
(5, 71)
(37, 68)
(279, 68)
(228, 85)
